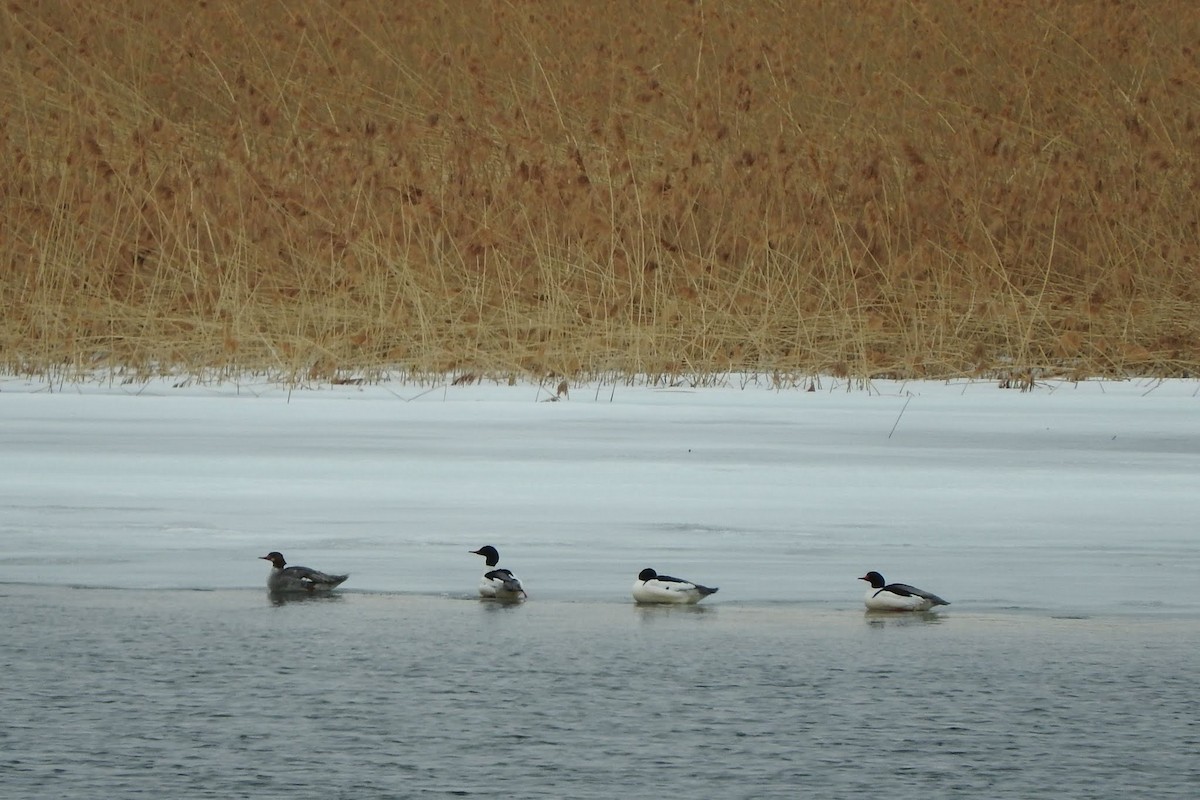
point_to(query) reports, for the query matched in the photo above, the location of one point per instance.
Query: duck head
(489, 553)
(873, 578)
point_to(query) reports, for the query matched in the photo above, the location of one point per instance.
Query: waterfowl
(650, 587)
(883, 596)
(498, 583)
(297, 579)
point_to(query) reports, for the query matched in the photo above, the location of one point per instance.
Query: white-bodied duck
(498, 583)
(883, 596)
(285, 579)
(650, 587)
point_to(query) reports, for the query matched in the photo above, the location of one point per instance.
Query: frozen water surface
(1073, 497)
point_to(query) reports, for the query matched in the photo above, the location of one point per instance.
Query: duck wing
(680, 585)
(904, 590)
(313, 576)
(504, 576)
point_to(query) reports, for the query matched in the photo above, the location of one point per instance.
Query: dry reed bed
(874, 188)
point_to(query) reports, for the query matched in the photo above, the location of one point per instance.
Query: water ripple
(220, 695)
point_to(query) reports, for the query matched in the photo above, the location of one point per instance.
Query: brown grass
(314, 188)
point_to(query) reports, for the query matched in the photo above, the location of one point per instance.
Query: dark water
(119, 693)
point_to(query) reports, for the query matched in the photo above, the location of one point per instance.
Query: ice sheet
(1075, 497)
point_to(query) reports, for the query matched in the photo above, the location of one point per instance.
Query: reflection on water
(493, 604)
(881, 619)
(651, 612)
(118, 693)
(283, 598)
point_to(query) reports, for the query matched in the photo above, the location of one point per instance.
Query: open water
(115, 693)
